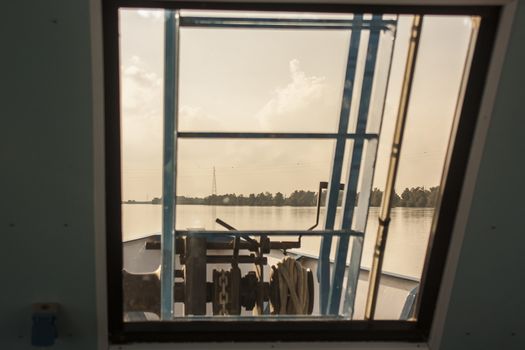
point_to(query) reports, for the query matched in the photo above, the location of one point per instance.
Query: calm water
(406, 246)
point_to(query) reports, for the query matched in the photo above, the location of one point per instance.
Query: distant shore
(415, 197)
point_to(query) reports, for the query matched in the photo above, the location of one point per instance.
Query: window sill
(262, 346)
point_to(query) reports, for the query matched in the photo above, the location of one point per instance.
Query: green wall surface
(487, 307)
(46, 211)
(46, 215)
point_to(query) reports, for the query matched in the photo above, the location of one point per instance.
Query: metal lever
(386, 205)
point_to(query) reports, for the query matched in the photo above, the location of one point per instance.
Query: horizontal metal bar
(270, 135)
(248, 246)
(269, 233)
(156, 245)
(241, 259)
(285, 23)
(249, 318)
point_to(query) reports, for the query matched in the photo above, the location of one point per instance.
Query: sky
(279, 80)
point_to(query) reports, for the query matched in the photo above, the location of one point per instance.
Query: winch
(288, 290)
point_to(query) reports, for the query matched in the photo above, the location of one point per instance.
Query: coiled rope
(293, 287)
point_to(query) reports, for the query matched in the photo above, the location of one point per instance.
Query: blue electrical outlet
(44, 330)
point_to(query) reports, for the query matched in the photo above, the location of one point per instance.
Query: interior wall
(487, 304)
(47, 219)
(46, 211)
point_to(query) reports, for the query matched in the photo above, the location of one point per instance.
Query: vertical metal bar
(335, 177)
(354, 266)
(195, 276)
(353, 174)
(375, 122)
(169, 174)
(384, 218)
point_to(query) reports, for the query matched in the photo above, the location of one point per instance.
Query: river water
(406, 246)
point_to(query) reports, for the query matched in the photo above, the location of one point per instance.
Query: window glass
(251, 184)
(436, 87)
(261, 80)
(283, 137)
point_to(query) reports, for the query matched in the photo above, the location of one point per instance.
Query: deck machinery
(288, 290)
(230, 290)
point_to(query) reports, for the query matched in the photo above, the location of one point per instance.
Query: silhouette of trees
(301, 199)
(414, 197)
(278, 200)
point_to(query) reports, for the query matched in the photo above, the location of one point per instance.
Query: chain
(223, 294)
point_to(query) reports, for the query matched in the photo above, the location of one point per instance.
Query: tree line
(415, 197)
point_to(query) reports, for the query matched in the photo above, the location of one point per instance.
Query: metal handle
(386, 205)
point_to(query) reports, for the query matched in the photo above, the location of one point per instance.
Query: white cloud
(141, 90)
(196, 119)
(307, 103)
(141, 102)
(244, 166)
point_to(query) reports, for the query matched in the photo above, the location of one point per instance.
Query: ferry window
(285, 172)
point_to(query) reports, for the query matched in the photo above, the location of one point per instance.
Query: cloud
(247, 166)
(196, 119)
(243, 166)
(141, 90)
(307, 103)
(141, 102)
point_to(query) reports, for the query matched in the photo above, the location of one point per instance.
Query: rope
(293, 287)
